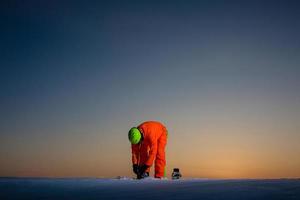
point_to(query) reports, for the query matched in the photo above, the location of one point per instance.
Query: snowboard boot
(144, 175)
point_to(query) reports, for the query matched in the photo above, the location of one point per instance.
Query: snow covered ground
(73, 188)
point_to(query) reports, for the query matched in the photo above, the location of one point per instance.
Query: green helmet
(134, 135)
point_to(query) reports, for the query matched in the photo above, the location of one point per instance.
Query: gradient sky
(223, 76)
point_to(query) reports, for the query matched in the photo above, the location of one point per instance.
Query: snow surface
(127, 188)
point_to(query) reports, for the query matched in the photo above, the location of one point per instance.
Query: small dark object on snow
(176, 174)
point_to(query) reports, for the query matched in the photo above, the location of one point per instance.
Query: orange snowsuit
(152, 147)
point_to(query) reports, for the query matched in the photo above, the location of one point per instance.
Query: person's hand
(135, 168)
(143, 169)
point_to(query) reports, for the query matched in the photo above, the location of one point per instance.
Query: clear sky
(223, 76)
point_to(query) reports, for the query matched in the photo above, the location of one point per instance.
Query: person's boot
(144, 175)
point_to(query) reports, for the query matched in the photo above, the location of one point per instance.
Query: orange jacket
(145, 151)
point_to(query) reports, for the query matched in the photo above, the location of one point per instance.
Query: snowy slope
(124, 188)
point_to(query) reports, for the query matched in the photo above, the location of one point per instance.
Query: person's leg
(160, 160)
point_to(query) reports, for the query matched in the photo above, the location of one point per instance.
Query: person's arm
(135, 153)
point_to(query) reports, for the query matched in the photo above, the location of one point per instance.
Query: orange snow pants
(160, 157)
(160, 160)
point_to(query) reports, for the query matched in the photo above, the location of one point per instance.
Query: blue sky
(75, 76)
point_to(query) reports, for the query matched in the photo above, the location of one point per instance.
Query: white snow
(127, 188)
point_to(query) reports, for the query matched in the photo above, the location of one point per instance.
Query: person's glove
(135, 168)
(143, 169)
